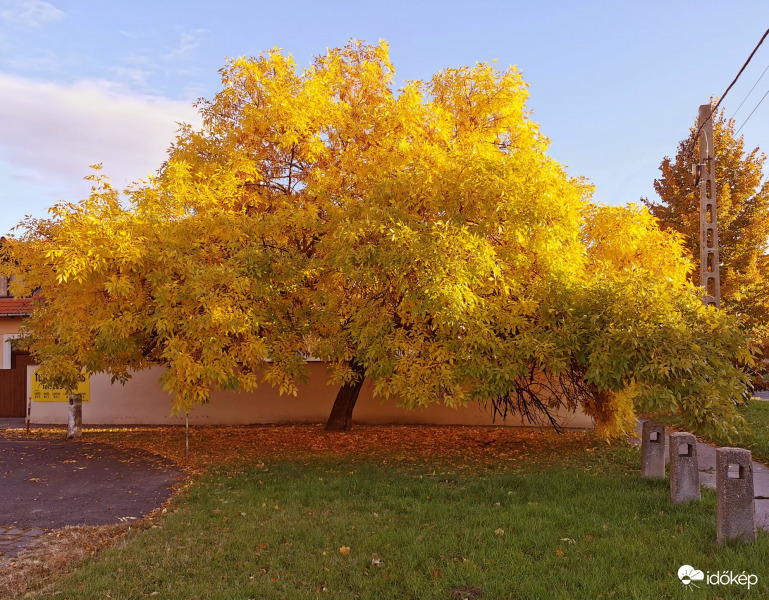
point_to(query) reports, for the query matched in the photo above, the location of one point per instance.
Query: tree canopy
(421, 237)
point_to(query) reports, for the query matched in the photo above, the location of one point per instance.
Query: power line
(734, 114)
(751, 114)
(715, 108)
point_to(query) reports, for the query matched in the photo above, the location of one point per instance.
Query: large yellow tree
(420, 237)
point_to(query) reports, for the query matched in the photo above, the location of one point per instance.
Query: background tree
(742, 195)
(422, 238)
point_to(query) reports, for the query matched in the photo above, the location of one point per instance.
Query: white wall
(9, 329)
(142, 402)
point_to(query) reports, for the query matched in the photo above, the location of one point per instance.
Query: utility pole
(710, 277)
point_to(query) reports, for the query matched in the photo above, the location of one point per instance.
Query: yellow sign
(41, 392)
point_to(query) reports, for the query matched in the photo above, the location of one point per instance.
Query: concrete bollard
(75, 421)
(735, 505)
(653, 450)
(684, 470)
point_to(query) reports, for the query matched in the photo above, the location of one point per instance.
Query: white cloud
(50, 133)
(188, 41)
(45, 61)
(133, 75)
(32, 13)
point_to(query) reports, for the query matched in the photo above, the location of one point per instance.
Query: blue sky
(615, 85)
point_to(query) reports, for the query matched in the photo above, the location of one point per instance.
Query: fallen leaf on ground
(466, 592)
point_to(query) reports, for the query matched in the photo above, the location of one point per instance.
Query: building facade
(13, 362)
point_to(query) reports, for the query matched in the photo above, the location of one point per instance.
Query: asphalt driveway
(48, 484)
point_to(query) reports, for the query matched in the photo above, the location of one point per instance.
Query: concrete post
(75, 421)
(653, 450)
(710, 277)
(735, 517)
(684, 470)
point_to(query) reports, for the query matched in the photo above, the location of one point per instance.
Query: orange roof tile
(15, 306)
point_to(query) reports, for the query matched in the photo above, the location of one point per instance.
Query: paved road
(48, 484)
(706, 459)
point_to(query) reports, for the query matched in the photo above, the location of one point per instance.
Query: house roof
(15, 307)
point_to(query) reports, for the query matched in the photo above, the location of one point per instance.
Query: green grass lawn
(755, 437)
(540, 525)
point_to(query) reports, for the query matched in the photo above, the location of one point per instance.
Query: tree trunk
(340, 418)
(75, 421)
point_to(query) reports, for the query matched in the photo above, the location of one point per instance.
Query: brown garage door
(13, 386)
